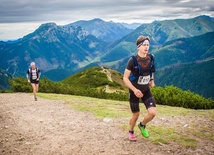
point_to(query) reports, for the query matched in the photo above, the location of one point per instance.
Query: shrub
(168, 95)
(20, 84)
(173, 96)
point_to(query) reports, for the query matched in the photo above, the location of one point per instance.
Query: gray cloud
(58, 10)
(20, 17)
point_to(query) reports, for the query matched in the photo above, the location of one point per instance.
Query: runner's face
(144, 48)
(33, 66)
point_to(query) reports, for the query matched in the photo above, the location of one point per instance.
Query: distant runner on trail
(33, 76)
(139, 78)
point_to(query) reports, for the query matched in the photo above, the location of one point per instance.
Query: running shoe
(132, 137)
(143, 130)
(35, 99)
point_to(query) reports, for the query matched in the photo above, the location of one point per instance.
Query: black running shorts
(147, 99)
(34, 81)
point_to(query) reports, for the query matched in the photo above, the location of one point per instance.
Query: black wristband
(151, 79)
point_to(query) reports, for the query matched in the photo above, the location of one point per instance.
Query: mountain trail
(51, 127)
(108, 74)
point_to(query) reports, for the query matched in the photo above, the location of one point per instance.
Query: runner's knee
(152, 112)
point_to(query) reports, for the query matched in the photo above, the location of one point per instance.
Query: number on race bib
(143, 80)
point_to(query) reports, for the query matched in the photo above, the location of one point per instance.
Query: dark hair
(141, 39)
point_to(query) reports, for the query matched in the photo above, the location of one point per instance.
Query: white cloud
(16, 30)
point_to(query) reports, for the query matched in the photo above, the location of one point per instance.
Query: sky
(21, 17)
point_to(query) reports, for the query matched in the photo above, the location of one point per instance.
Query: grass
(187, 141)
(164, 110)
(159, 134)
(99, 107)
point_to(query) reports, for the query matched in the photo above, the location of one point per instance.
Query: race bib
(34, 75)
(143, 80)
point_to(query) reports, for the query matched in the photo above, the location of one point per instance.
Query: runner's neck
(142, 55)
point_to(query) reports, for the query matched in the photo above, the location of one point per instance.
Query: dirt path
(51, 127)
(108, 74)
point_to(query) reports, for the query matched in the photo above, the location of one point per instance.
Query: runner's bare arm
(152, 81)
(128, 83)
(27, 77)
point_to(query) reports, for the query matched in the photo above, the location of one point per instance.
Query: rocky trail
(49, 127)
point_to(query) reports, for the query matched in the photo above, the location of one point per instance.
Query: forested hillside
(196, 77)
(185, 50)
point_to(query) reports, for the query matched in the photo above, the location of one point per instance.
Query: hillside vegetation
(101, 82)
(96, 77)
(185, 50)
(196, 77)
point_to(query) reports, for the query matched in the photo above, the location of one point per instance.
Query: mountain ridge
(106, 31)
(159, 33)
(72, 48)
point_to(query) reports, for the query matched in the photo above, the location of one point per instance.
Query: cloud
(59, 10)
(65, 12)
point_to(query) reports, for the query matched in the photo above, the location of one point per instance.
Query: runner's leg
(134, 105)
(37, 87)
(34, 89)
(150, 104)
(151, 112)
(133, 120)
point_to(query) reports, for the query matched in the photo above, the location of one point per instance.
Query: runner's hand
(28, 80)
(138, 93)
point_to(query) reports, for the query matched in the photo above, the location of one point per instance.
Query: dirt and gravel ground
(47, 127)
